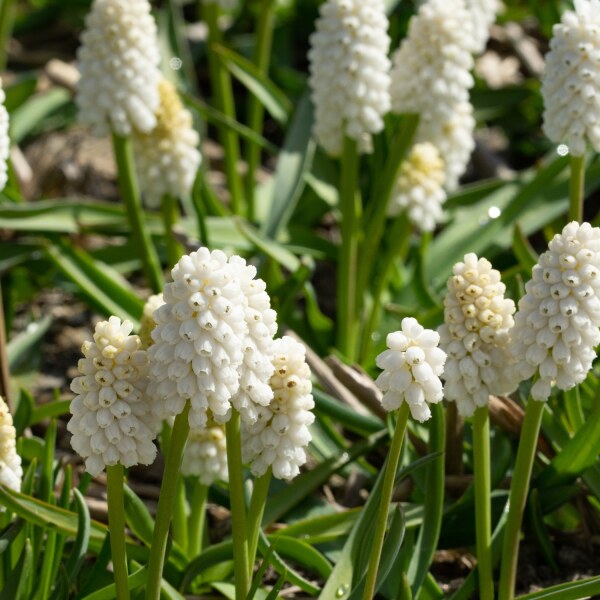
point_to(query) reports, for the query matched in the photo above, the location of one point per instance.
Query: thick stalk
(170, 214)
(255, 514)
(223, 94)
(166, 501)
(350, 208)
(197, 518)
(130, 194)
(391, 466)
(262, 53)
(454, 440)
(116, 526)
(518, 496)
(180, 523)
(576, 188)
(483, 502)
(238, 507)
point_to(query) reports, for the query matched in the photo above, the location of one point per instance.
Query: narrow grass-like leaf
(18, 579)
(23, 343)
(9, 533)
(217, 553)
(138, 517)
(274, 593)
(523, 250)
(80, 547)
(95, 574)
(46, 484)
(22, 418)
(134, 581)
(50, 410)
(584, 588)
(228, 590)
(301, 553)
(540, 531)
(324, 528)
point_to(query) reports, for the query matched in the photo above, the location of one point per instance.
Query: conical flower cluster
(118, 60)
(11, 471)
(419, 189)
(205, 454)
(556, 326)
(571, 82)
(4, 140)
(349, 72)
(475, 335)
(147, 322)
(412, 366)
(205, 350)
(111, 419)
(167, 157)
(483, 14)
(431, 76)
(280, 435)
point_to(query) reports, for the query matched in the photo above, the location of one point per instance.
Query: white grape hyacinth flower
(419, 189)
(476, 335)
(4, 140)
(147, 322)
(349, 73)
(281, 433)
(483, 14)
(205, 454)
(167, 158)
(571, 80)
(111, 418)
(412, 366)
(557, 324)
(118, 60)
(11, 471)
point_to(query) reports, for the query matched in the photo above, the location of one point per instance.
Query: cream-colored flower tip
(475, 335)
(118, 61)
(419, 189)
(556, 326)
(111, 418)
(11, 471)
(483, 14)
(281, 433)
(205, 454)
(412, 366)
(349, 73)
(571, 81)
(167, 158)
(4, 140)
(199, 339)
(257, 366)
(147, 322)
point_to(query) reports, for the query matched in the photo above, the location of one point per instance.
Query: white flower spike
(118, 60)
(147, 322)
(167, 158)
(111, 419)
(557, 324)
(571, 81)
(475, 335)
(4, 140)
(205, 454)
(349, 73)
(11, 472)
(412, 366)
(281, 433)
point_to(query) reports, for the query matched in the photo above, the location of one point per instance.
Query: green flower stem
(197, 518)
(130, 194)
(374, 222)
(116, 526)
(166, 502)
(350, 208)
(391, 466)
(577, 188)
(255, 514)
(180, 524)
(7, 16)
(223, 94)
(483, 501)
(262, 53)
(238, 506)
(518, 496)
(170, 214)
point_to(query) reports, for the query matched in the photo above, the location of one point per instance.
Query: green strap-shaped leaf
(585, 588)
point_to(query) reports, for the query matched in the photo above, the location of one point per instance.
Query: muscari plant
(226, 401)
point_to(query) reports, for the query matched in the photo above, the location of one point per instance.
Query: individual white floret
(147, 322)
(118, 61)
(419, 189)
(205, 454)
(199, 339)
(556, 326)
(281, 433)
(257, 366)
(4, 140)
(111, 418)
(483, 14)
(412, 366)
(167, 157)
(571, 81)
(11, 472)
(349, 72)
(478, 320)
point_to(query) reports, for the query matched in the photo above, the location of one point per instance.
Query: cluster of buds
(11, 472)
